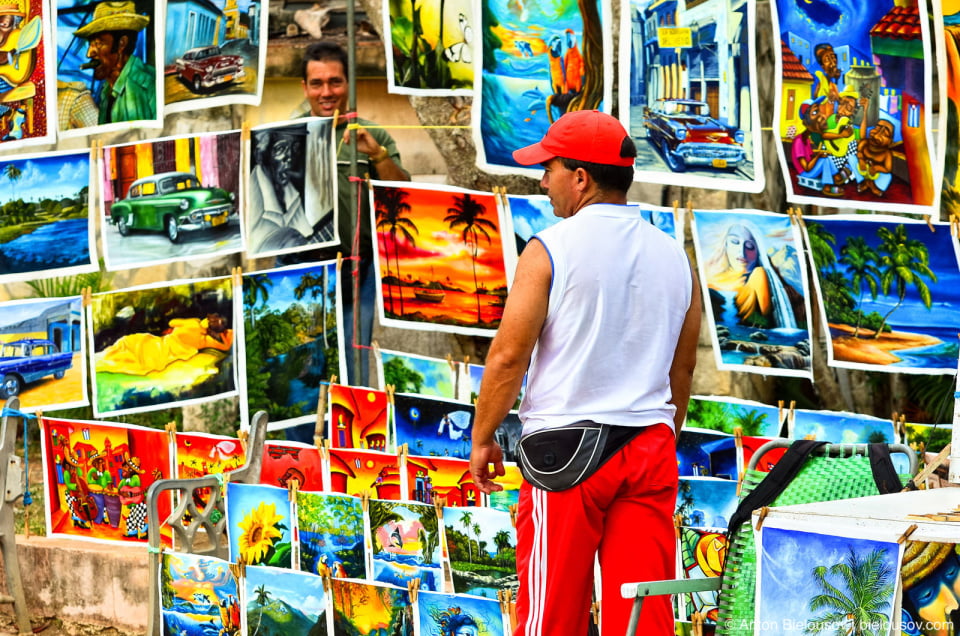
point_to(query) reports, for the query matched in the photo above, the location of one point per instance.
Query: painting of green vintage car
(172, 203)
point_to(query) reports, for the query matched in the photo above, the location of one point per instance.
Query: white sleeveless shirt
(619, 294)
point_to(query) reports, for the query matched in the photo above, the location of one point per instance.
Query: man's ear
(122, 43)
(582, 178)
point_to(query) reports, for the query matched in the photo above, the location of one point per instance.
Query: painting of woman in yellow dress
(144, 353)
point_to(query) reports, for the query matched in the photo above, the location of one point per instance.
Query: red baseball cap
(584, 135)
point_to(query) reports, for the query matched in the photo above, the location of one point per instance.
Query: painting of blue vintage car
(29, 360)
(172, 203)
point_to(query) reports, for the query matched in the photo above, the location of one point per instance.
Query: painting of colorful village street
(159, 346)
(96, 479)
(291, 338)
(947, 14)
(691, 105)
(539, 60)
(42, 353)
(430, 48)
(45, 224)
(359, 418)
(439, 257)
(198, 595)
(355, 472)
(482, 550)
(888, 291)
(854, 104)
(216, 59)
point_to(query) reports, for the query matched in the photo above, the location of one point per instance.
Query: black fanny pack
(559, 458)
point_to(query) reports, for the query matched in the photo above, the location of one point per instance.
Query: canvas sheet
(840, 427)
(200, 454)
(433, 427)
(359, 472)
(159, 346)
(96, 476)
(947, 37)
(688, 96)
(702, 553)
(430, 47)
(99, 92)
(171, 199)
(405, 544)
(444, 480)
(278, 601)
(724, 414)
(706, 502)
(286, 461)
(439, 258)
(853, 104)
(217, 54)
(259, 524)
(888, 288)
(330, 535)
(705, 453)
(811, 576)
(755, 291)
(510, 495)
(475, 372)
(359, 418)
(27, 110)
(412, 373)
(43, 353)
(198, 594)
(291, 187)
(455, 613)
(360, 607)
(292, 340)
(480, 542)
(536, 61)
(926, 568)
(47, 229)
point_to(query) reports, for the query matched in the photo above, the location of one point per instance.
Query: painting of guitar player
(25, 55)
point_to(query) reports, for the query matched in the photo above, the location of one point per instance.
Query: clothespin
(391, 392)
(365, 500)
(594, 611)
(696, 621)
(929, 220)
(324, 447)
(513, 514)
(413, 588)
(86, 296)
(339, 263)
(239, 569)
(799, 215)
(326, 584)
(676, 211)
(336, 117)
(292, 487)
(763, 515)
(243, 436)
(171, 429)
(237, 274)
(906, 533)
(451, 363)
(322, 410)
(466, 359)
(955, 224)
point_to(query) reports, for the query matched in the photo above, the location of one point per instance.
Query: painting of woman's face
(741, 249)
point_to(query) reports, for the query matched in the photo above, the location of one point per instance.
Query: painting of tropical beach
(439, 257)
(888, 287)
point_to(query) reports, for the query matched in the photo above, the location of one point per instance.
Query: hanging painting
(947, 36)
(198, 595)
(201, 454)
(511, 481)
(481, 546)
(359, 418)
(536, 62)
(688, 96)
(27, 111)
(853, 104)
(889, 288)
(429, 47)
(405, 544)
(433, 427)
(160, 346)
(458, 614)
(840, 427)
(370, 608)
(171, 199)
(45, 224)
(439, 258)
(330, 535)
(96, 476)
(42, 353)
(443, 480)
(359, 472)
(411, 373)
(702, 555)
(706, 502)
(755, 291)
(703, 453)
(285, 462)
(930, 594)
(259, 524)
(292, 343)
(277, 601)
(291, 187)
(109, 66)
(217, 60)
(726, 414)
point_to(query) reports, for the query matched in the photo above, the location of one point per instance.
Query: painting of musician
(24, 34)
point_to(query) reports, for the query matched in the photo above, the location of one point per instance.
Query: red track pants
(624, 511)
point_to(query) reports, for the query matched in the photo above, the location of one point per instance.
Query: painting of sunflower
(258, 522)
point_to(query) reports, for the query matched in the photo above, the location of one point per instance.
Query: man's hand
(365, 141)
(481, 456)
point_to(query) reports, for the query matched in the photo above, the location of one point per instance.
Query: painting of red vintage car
(686, 135)
(205, 67)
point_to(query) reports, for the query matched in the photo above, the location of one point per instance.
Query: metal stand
(11, 475)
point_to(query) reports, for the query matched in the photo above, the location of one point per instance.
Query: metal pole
(352, 107)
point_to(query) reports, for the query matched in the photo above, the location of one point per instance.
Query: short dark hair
(131, 41)
(608, 177)
(324, 51)
(821, 48)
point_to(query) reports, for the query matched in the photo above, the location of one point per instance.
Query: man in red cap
(605, 311)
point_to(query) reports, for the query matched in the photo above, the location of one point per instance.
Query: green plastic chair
(837, 471)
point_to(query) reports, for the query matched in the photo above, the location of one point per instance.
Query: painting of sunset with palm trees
(439, 257)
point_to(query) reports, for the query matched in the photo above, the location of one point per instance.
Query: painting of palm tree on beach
(44, 216)
(440, 258)
(825, 584)
(889, 288)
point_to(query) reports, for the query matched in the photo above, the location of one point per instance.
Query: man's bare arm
(685, 356)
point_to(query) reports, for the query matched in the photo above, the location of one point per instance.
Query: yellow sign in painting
(674, 37)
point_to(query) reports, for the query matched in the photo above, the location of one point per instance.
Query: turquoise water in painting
(55, 245)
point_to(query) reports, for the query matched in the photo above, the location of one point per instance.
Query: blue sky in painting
(845, 428)
(943, 261)
(786, 585)
(243, 498)
(297, 589)
(286, 281)
(715, 500)
(437, 375)
(531, 214)
(489, 520)
(14, 313)
(53, 177)
(839, 22)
